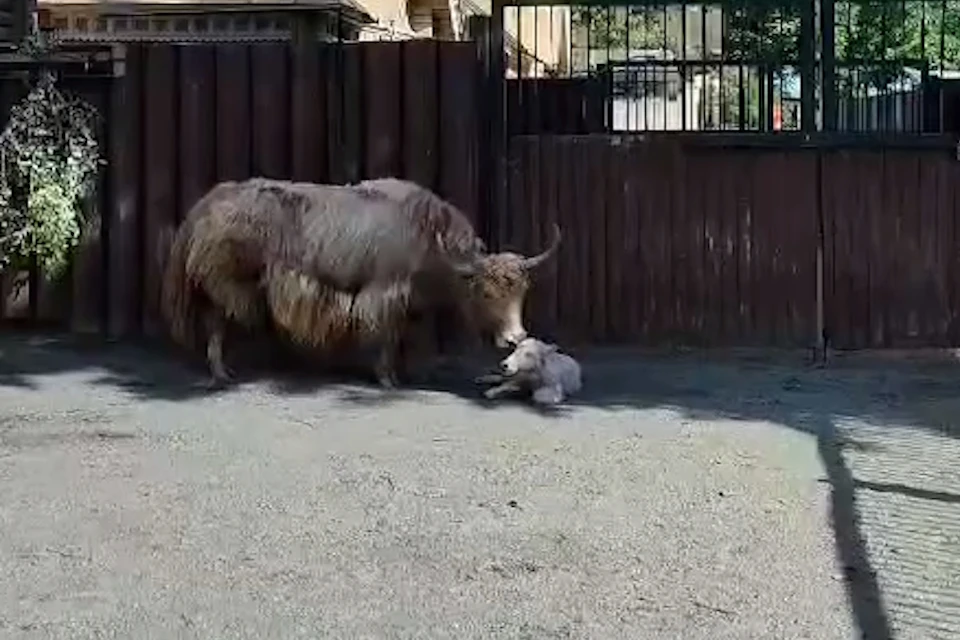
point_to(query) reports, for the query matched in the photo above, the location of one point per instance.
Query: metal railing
(734, 65)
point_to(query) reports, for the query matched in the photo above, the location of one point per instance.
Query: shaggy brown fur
(185, 270)
(324, 263)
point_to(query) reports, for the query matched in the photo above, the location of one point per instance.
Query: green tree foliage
(896, 32)
(899, 32)
(619, 28)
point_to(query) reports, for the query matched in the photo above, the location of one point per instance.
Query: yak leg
(386, 367)
(381, 310)
(215, 327)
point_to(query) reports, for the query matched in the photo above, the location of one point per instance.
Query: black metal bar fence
(762, 66)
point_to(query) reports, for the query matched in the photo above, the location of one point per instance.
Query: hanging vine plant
(49, 159)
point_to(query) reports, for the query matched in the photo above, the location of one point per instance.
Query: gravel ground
(741, 496)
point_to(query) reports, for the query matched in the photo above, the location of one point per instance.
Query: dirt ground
(739, 495)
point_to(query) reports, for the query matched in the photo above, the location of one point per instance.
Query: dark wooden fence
(667, 239)
(669, 244)
(671, 241)
(892, 253)
(183, 117)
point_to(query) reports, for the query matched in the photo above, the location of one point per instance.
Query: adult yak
(496, 290)
(321, 263)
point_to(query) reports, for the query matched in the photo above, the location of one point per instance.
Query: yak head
(498, 284)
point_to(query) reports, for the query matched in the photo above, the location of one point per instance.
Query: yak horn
(535, 261)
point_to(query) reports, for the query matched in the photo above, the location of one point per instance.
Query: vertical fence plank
(807, 216)
(862, 303)
(884, 268)
(772, 277)
(89, 272)
(599, 156)
(871, 166)
(633, 286)
(843, 284)
(701, 181)
(657, 218)
(950, 199)
(353, 99)
(801, 241)
(832, 249)
(761, 274)
(126, 157)
(160, 149)
(529, 221)
(271, 105)
(309, 113)
(556, 168)
(914, 261)
(518, 197)
(459, 130)
(332, 63)
(198, 125)
(613, 244)
(234, 124)
(580, 224)
(652, 267)
(421, 109)
(383, 82)
(727, 246)
(828, 215)
(745, 216)
(946, 255)
(933, 309)
(892, 193)
(786, 236)
(775, 276)
(540, 200)
(544, 202)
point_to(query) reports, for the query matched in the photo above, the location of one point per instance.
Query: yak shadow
(27, 360)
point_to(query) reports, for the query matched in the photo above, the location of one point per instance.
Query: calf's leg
(510, 386)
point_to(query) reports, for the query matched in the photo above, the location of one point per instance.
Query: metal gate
(740, 172)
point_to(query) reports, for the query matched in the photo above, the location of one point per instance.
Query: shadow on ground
(779, 387)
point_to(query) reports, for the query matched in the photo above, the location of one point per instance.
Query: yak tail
(176, 295)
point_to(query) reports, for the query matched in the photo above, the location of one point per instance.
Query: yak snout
(510, 340)
(511, 326)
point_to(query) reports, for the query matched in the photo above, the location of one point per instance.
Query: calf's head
(528, 356)
(498, 287)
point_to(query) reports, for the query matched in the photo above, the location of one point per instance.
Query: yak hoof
(220, 379)
(387, 380)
